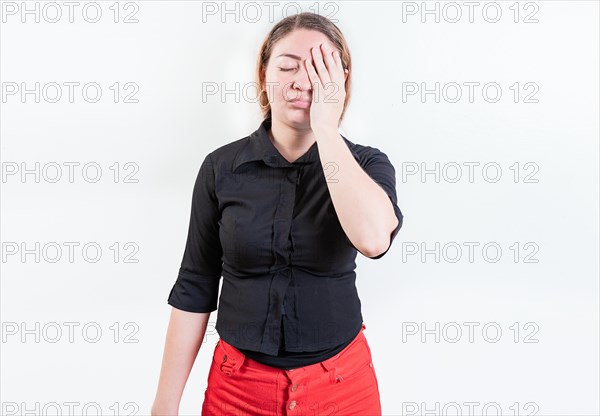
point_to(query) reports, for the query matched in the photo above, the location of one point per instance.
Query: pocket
(372, 366)
(353, 362)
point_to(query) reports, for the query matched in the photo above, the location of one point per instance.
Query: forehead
(299, 43)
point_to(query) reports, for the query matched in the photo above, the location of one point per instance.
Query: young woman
(281, 215)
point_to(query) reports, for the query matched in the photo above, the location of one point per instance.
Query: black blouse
(269, 228)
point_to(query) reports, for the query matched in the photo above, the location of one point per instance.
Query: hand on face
(327, 77)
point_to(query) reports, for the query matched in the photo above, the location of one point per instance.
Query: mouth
(300, 103)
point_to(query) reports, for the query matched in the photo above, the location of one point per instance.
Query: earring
(260, 99)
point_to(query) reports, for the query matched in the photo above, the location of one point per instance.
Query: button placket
(297, 378)
(282, 223)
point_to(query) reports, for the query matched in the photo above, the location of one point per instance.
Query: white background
(170, 54)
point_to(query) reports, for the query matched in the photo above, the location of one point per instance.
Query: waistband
(230, 359)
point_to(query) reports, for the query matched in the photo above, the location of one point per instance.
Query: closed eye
(287, 69)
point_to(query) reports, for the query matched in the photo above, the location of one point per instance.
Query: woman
(281, 215)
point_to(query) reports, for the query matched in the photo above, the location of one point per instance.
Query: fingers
(338, 60)
(312, 75)
(322, 70)
(324, 67)
(330, 63)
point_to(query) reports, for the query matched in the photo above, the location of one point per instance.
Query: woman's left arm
(363, 208)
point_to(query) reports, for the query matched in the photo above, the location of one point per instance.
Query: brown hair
(309, 21)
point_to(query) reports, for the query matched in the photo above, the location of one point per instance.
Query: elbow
(367, 252)
(374, 248)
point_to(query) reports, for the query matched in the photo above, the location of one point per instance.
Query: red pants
(343, 385)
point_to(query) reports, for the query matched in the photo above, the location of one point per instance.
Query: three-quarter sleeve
(197, 286)
(378, 166)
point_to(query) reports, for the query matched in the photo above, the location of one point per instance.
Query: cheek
(275, 92)
(275, 82)
(280, 88)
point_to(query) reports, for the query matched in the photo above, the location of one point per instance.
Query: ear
(346, 74)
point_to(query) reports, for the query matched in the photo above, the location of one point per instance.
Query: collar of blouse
(259, 147)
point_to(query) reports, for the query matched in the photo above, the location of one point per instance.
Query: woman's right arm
(184, 336)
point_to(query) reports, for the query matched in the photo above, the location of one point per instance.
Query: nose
(301, 81)
(298, 87)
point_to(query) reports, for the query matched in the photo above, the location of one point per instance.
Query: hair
(309, 21)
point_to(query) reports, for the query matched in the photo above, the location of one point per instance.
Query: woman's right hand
(159, 409)
(184, 337)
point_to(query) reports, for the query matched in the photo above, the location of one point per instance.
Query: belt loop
(240, 362)
(329, 363)
(332, 375)
(333, 378)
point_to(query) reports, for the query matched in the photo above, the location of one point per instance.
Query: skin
(363, 208)
(185, 334)
(292, 125)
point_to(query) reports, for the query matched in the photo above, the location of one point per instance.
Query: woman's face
(287, 79)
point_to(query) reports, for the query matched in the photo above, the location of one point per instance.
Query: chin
(293, 115)
(301, 120)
